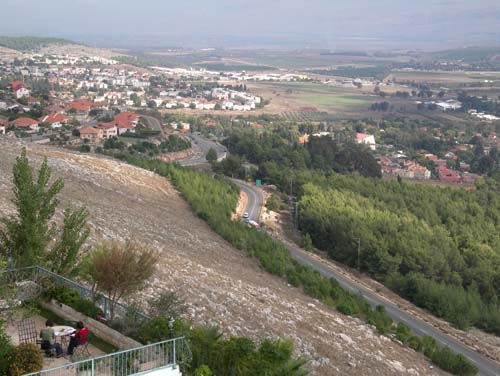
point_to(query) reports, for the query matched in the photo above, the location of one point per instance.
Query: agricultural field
(307, 115)
(443, 77)
(293, 96)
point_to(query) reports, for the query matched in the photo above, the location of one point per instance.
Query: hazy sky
(421, 19)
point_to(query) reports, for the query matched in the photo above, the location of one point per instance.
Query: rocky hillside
(220, 284)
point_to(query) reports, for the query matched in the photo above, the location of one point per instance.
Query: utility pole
(296, 214)
(359, 254)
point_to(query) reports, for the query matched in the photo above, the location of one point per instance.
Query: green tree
(74, 233)
(211, 155)
(203, 371)
(26, 237)
(307, 242)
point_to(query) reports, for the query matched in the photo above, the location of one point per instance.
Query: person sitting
(48, 337)
(80, 337)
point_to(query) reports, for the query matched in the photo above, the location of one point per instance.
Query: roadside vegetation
(214, 199)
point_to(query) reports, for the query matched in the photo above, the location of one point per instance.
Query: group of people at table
(77, 337)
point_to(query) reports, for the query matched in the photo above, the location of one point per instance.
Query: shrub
(84, 148)
(167, 304)
(25, 358)
(5, 349)
(453, 363)
(203, 371)
(155, 330)
(72, 299)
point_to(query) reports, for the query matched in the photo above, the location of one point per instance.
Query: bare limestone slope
(220, 284)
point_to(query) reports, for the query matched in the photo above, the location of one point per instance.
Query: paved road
(201, 147)
(486, 366)
(154, 124)
(255, 200)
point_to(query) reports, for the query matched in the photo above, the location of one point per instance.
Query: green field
(324, 97)
(327, 100)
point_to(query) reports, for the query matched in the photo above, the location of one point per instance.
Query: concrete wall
(98, 328)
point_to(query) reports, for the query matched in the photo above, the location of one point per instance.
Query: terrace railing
(135, 361)
(40, 276)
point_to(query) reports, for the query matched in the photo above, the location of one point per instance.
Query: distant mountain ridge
(31, 43)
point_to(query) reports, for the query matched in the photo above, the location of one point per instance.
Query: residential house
(93, 135)
(366, 139)
(55, 120)
(303, 139)
(19, 89)
(32, 101)
(83, 106)
(448, 175)
(418, 171)
(27, 124)
(130, 117)
(108, 129)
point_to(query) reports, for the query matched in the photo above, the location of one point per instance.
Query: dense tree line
(273, 153)
(481, 105)
(172, 144)
(438, 247)
(380, 106)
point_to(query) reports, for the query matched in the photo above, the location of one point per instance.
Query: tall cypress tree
(25, 237)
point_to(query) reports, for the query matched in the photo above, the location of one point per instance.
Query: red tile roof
(88, 130)
(16, 85)
(25, 122)
(129, 116)
(80, 105)
(84, 105)
(108, 125)
(362, 136)
(54, 118)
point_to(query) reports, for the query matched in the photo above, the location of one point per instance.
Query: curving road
(154, 124)
(202, 146)
(486, 366)
(255, 200)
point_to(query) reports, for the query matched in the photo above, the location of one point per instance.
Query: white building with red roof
(366, 139)
(108, 129)
(55, 120)
(26, 123)
(91, 134)
(19, 89)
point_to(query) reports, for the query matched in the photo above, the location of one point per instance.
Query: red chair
(83, 342)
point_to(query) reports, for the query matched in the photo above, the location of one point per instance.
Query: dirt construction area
(221, 285)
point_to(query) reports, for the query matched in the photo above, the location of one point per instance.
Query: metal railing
(40, 275)
(123, 363)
